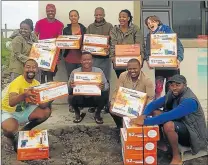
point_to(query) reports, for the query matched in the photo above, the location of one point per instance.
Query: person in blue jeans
(155, 26)
(182, 118)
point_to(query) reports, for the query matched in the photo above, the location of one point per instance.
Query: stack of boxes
(69, 41)
(87, 83)
(123, 53)
(139, 143)
(96, 44)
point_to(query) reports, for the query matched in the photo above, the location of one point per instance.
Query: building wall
(86, 9)
(190, 67)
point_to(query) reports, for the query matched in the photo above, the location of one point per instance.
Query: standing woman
(123, 34)
(22, 41)
(72, 57)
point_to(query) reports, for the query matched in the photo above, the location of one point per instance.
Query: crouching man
(16, 111)
(182, 118)
(88, 101)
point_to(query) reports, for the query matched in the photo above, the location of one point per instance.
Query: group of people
(178, 113)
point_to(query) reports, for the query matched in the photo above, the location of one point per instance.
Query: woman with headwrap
(22, 41)
(125, 33)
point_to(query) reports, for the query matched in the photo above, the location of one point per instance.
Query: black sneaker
(71, 109)
(91, 110)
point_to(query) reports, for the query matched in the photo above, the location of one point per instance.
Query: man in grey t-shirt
(88, 101)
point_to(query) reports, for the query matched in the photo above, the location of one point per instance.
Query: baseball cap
(178, 79)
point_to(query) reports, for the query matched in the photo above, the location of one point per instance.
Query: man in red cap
(47, 28)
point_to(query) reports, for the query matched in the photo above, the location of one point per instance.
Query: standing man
(101, 27)
(47, 28)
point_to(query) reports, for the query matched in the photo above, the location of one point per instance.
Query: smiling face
(30, 69)
(176, 88)
(123, 18)
(86, 61)
(50, 12)
(133, 69)
(74, 17)
(152, 25)
(25, 30)
(99, 15)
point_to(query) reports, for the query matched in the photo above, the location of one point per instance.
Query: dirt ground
(81, 145)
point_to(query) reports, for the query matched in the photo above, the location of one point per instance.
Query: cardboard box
(138, 147)
(121, 61)
(127, 50)
(46, 55)
(95, 50)
(88, 90)
(87, 78)
(163, 44)
(69, 41)
(142, 159)
(161, 61)
(163, 52)
(49, 91)
(140, 133)
(51, 40)
(33, 145)
(96, 40)
(129, 102)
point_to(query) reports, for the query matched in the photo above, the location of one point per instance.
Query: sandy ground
(85, 143)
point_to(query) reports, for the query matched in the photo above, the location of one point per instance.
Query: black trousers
(89, 101)
(118, 121)
(118, 72)
(47, 76)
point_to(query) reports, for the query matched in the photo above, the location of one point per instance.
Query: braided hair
(129, 15)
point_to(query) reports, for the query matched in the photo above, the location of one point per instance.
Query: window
(155, 4)
(163, 15)
(206, 23)
(187, 21)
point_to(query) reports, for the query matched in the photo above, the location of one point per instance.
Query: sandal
(91, 110)
(99, 120)
(81, 117)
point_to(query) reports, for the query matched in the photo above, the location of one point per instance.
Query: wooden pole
(5, 30)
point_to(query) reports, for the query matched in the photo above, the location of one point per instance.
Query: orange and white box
(88, 90)
(46, 55)
(87, 78)
(127, 50)
(86, 83)
(121, 61)
(96, 40)
(140, 133)
(95, 50)
(142, 159)
(69, 41)
(129, 102)
(49, 91)
(163, 52)
(33, 145)
(138, 147)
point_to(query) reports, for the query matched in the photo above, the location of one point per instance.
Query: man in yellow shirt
(16, 111)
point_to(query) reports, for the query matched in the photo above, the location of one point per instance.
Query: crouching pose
(16, 111)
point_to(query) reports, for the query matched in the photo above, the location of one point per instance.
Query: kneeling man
(182, 118)
(88, 101)
(16, 111)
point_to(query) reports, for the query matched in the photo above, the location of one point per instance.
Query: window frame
(169, 5)
(203, 16)
(154, 10)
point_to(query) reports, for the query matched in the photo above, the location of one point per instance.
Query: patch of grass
(5, 53)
